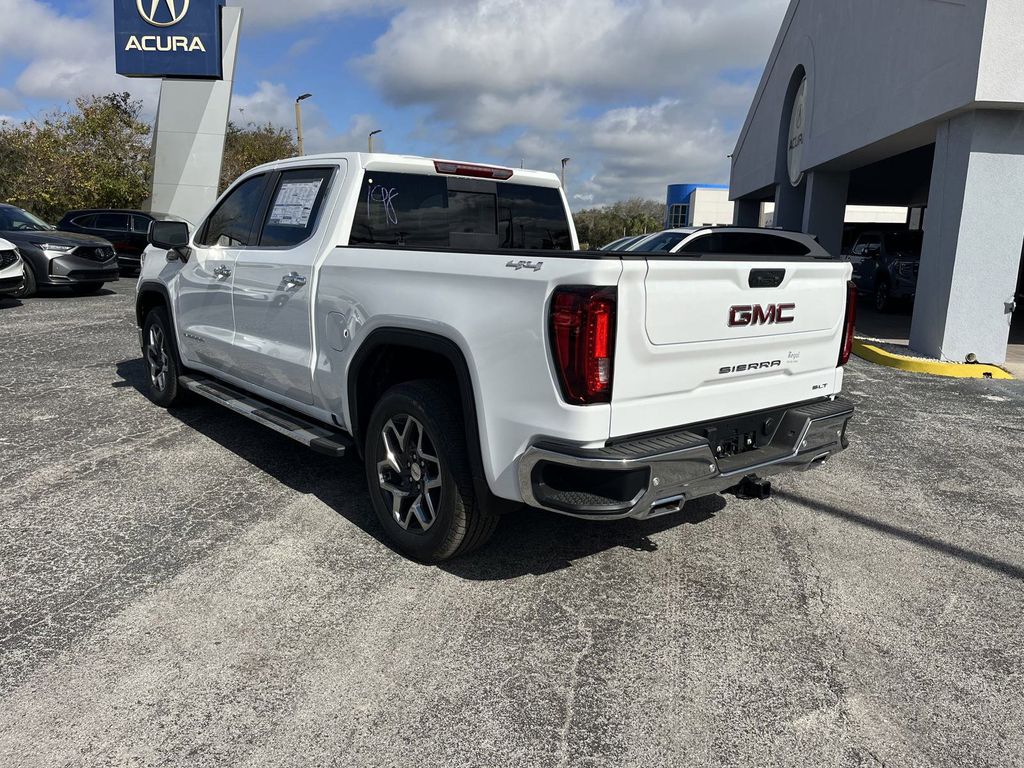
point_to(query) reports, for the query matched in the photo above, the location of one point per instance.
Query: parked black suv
(126, 229)
(53, 258)
(885, 265)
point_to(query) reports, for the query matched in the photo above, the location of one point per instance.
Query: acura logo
(172, 10)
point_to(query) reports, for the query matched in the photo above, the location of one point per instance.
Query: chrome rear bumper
(653, 475)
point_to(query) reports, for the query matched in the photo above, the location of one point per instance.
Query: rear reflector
(583, 342)
(849, 323)
(477, 171)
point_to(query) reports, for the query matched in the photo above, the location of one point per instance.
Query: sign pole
(188, 139)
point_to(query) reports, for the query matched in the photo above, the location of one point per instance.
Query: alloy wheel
(882, 297)
(409, 473)
(156, 357)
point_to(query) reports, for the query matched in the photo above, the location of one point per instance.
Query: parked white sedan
(12, 268)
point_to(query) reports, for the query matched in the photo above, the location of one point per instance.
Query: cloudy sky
(639, 93)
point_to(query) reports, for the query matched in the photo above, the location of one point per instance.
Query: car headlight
(57, 248)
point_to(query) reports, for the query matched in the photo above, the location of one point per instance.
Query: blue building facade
(678, 203)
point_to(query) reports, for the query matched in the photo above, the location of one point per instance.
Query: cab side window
(295, 207)
(231, 223)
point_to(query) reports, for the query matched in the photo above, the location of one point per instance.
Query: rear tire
(418, 474)
(160, 356)
(29, 287)
(883, 299)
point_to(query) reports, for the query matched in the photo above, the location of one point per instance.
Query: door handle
(294, 278)
(221, 273)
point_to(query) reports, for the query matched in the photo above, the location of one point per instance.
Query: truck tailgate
(703, 339)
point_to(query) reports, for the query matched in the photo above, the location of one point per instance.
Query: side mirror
(172, 236)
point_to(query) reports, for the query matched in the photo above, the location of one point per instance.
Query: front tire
(28, 288)
(161, 360)
(418, 473)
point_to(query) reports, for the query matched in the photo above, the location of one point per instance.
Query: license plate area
(737, 435)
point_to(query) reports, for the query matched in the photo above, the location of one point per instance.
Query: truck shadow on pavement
(907, 535)
(527, 542)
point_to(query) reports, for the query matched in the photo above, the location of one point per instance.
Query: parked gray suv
(885, 265)
(82, 263)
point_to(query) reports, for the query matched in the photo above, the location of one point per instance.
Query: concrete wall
(876, 69)
(973, 235)
(710, 206)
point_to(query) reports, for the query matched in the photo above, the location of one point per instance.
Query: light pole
(369, 139)
(565, 162)
(298, 120)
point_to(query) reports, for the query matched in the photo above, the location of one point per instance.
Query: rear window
(406, 210)
(746, 244)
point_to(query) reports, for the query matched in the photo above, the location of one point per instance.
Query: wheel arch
(390, 356)
(151, 294)
(381, 347)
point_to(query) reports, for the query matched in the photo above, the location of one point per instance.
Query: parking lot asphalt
(187, 588)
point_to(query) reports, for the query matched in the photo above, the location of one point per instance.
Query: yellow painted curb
(874, 354)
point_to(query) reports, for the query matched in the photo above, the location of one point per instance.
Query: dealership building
(706, 205)
(916, 104)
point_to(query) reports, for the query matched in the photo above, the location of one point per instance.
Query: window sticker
(294, 203)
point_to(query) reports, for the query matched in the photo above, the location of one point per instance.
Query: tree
(636, 216)
(253, 145)
(94, 155)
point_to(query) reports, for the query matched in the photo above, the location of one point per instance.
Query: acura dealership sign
(168, 38)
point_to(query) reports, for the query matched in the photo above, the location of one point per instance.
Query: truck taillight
(848, 323)
(583, 342)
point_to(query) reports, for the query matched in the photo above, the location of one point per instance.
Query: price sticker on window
(294, 203)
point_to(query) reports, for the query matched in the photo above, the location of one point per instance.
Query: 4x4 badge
(517, 265)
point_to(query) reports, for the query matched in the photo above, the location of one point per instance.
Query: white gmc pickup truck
(438, 319)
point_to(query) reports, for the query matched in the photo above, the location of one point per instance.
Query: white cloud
(582, 47)
(640, 150)
(632, 90)
(8, 100)
(269, 103)
(67, 56)
(263, 14)
(486, 66)
(273, 103)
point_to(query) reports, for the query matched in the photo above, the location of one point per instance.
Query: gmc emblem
(746, 314)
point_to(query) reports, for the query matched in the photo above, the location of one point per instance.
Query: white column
(973, 233)
(188, 140)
